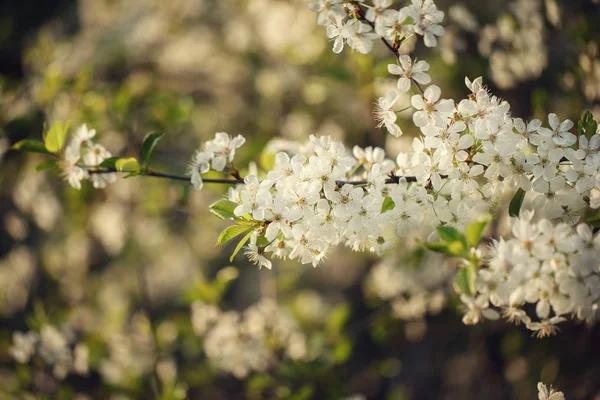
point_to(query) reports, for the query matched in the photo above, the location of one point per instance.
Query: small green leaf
(388, 204)
(149, 145)
(474, 230)
(587, 126)
(232, 231)
(592, 217)
(30, 146)
(127, 165)
(450, 234)
(438, 247)
(109, 163)
(55, 137)
(241, 244)
(223, 209)
(465, 280)
(46, 165)
(515, 204)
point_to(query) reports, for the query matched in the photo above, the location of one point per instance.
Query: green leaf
(465, 280)
(388, 204)
(592, 217)
(457, 242)
(127, 165)
(55, 137)
(450, 234)
(46, 165)
(438, 247)
(223, 209)
(109, 163)
(149, 145)
(30, 146)
(241, 243)
(587, 126)
(474, 230)
(515, 204)
(230, 232)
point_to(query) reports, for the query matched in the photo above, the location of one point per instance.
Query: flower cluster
(250, 341)
(217, 153)
(79, 154)
(57, 348)
(554, 267)
(347, 23)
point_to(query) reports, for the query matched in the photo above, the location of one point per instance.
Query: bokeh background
(131, 273)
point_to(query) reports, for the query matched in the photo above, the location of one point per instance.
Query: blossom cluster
(241, 343)
(217, 153)
(472, 155)
(79, 154)
(347, 23)
(554, 267)
(57, 348)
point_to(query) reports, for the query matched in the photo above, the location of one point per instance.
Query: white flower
(544, 394)
(409, 71)
(222, 148)
(385, 114)
(560, 131)
(379, 8)
(198, 166)
(430, 108)
(426, 19)
(255, 255)
(327, 9)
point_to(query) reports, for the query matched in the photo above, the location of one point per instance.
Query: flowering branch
(470, 157)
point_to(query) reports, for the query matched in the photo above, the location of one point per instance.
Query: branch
(395, 179)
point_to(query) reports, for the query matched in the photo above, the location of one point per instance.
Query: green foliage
(223, 209)
(231, 232)
(241, 243)
(474, 230)
(515, 204)
(54, 138)
(30, 146)
(110, 163)
(388, 204)
(48, 164)
(593, 218)
(453, 242)
(587, 126)
(465, 280)
(127, 165)
(148, 147)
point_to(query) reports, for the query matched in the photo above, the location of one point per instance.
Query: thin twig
(391, 180)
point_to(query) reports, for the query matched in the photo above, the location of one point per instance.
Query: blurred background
(122, 290)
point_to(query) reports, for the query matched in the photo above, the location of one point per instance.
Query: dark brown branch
(391, 180)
